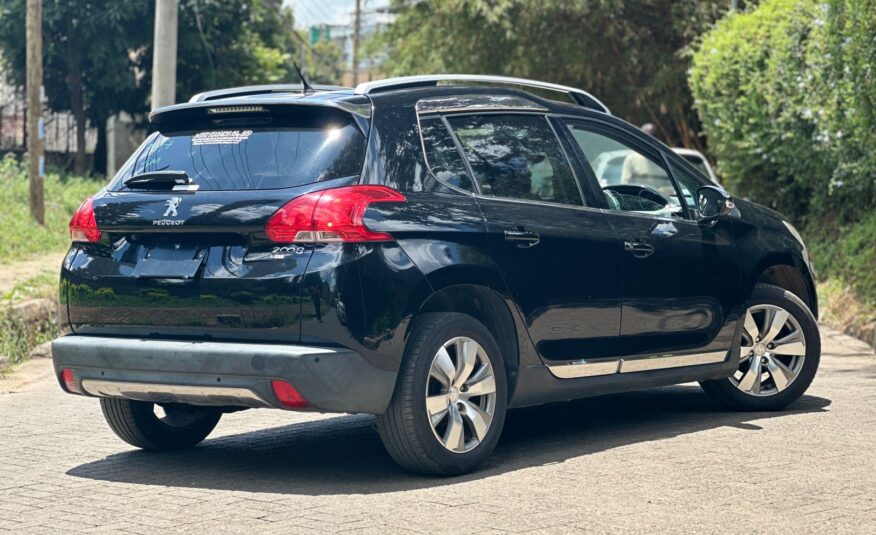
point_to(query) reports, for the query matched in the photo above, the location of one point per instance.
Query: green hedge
(787, 96)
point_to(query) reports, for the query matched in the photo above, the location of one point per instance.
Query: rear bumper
(223, 374)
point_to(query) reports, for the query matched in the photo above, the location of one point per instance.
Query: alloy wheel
(772, 352)
(461, 394)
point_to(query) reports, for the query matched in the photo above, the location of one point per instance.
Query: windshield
(252, 158)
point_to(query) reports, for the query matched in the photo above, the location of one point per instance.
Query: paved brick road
(663, 460)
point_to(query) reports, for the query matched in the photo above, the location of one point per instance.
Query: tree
(224, 43)
(98, 54)
(90, 55)
(631, 54)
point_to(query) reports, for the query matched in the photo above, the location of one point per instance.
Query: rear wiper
(158, 180)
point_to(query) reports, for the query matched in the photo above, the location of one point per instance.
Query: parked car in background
(432, 250)
(698, 160)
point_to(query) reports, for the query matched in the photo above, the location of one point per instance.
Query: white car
(699, 161)
(609, 164)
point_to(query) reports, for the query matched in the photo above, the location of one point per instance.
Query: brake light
(83, 226)
(288, 396)
(69, 381)
(332, 215)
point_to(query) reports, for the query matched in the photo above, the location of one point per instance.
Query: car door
(681, 279)
(560, 258)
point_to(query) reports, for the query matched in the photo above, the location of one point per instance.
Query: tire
(406, 427)
(772, 395)
(135, 422)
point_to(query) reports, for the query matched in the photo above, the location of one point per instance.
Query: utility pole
(357, 28)
(164, 53)
(36, 165)
(734, 5)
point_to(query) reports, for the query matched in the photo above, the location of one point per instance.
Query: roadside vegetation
(23, 240)
(21, 237)
(786, 96)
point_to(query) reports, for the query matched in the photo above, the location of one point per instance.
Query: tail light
(288, 396)
(332, 215)
(83, 226)
(69, 381)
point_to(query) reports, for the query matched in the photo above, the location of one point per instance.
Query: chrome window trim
(367, 88)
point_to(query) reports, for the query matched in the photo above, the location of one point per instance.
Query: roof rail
(579, 96)
(258, 90)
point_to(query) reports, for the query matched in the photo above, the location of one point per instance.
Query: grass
(21, 237)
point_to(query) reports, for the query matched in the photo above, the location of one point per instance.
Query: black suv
(433, 250)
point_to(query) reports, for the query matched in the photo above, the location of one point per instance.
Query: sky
(311, 12)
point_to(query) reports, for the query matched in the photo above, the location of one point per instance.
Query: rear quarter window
(256, 157)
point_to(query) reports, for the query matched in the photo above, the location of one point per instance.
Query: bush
(785, 94)
(848, 254)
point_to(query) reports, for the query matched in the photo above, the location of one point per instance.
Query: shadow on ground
(343, 455)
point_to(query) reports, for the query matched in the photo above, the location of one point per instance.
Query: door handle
(638, 248)
(522, 236)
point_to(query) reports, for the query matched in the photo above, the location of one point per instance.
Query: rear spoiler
(358, 106)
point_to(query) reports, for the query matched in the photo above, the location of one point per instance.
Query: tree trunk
(99, 163)
(77, 104)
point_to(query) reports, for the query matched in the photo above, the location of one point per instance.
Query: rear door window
(516, 156)
(255, 157)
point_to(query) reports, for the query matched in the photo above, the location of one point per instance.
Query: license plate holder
(170, 263)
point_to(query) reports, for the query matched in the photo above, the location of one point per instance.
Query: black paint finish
(556, 283)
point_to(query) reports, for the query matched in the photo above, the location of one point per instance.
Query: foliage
(785, 94)
(96, 36)
(631, 54)
(223, 43)
(16, 340)
(22, 238)
(324, 63)
(848, 254)
(98, 54)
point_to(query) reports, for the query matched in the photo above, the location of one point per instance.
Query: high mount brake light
(332, 215)
(83, 226)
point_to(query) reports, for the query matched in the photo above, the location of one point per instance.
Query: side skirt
(537, 385)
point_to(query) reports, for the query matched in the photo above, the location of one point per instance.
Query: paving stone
(661, 460)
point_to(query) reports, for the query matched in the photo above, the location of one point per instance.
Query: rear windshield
(252, 157)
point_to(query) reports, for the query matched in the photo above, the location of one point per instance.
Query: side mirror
(714, 204)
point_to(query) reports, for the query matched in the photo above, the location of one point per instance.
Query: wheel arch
(490, 308)
(785, 272)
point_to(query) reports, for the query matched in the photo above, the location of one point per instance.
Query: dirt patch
(842, 310)
(16, 272)
(22, 377)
